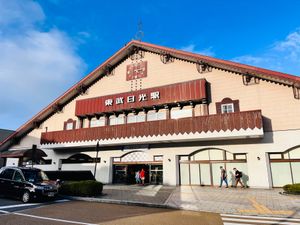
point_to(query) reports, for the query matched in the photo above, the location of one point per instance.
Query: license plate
(51, 194)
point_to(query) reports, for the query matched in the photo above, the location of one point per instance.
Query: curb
(121, 202)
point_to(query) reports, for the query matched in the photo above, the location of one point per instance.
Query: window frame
(224, 108)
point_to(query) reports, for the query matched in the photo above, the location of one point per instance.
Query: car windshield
(35, 176)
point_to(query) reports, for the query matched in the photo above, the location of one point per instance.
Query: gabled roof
(123, 53)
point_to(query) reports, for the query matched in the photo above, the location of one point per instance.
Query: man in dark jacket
(238, 176)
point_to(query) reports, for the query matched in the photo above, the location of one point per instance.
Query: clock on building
(136, 70)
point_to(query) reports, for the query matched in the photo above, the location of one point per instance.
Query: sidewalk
(208, 199)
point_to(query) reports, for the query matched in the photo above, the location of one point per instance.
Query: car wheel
(26, 197)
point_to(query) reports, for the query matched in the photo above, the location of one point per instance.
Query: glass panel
(281, 174)
(195, 174)
(120, 119)
(205, 174)
(216, 172)
(231, 174)
(18, 177)
(95, 122)
(275, 156)
(131, 118)
(69, 126)
(216, 154)
(176, 114)
(202, 155)
(229, 156)
(286, 155)
(141, 117)
(151, 116)
(227, 108)
(156, 167)
(161, 115)
(158, 158)
(240, 156)
(102, 121)
(296, 171)
(156, 177)
(184, 174)
(120, 174)
(295, 154)
(184, 157)
(112, 120)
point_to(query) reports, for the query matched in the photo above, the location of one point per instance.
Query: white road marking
(4, 212)
(261, 217)
(31, 204)
(53, 219)
(238, 219)
(19, 205)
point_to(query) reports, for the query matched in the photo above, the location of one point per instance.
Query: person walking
(223, 177)
(238, 176)
(142, 176)
(137, 177)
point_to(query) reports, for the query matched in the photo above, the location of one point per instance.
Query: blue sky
(48, 45)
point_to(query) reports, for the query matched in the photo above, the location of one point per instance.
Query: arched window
(80, 158)
(202, 167)
(227, 105)
(285, 167)
(70, 124)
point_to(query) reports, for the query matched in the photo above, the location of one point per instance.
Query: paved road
(11, 205)
(76, 212)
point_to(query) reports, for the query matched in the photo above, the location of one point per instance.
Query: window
(227, 105)
(158, 158)
(80, 158)
(275, 156)
(131, 118)
(239, 156)
(177, 113)
(227, 108)
(94, 122)
(7, 174)
(141, 117)
(160, 115)
(18, 177)
(69, 124)
(113, 120)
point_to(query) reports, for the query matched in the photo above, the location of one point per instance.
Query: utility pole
(96, 159)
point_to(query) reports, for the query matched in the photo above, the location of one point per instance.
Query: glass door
(156, 174)
(216, 172)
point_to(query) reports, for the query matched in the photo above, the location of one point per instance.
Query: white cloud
(35, 66)
(281, 56)
(193, 48)
(20, 13)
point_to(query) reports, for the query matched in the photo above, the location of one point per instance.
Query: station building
(177, 114)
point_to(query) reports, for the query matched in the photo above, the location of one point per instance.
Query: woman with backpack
(238, 176)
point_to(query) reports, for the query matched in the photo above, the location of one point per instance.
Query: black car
(26, 184)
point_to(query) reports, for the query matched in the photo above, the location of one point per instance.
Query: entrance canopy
(37, 153)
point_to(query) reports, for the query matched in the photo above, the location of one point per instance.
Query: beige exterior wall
(276, 102)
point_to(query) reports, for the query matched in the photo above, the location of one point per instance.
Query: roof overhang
(38, 153)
